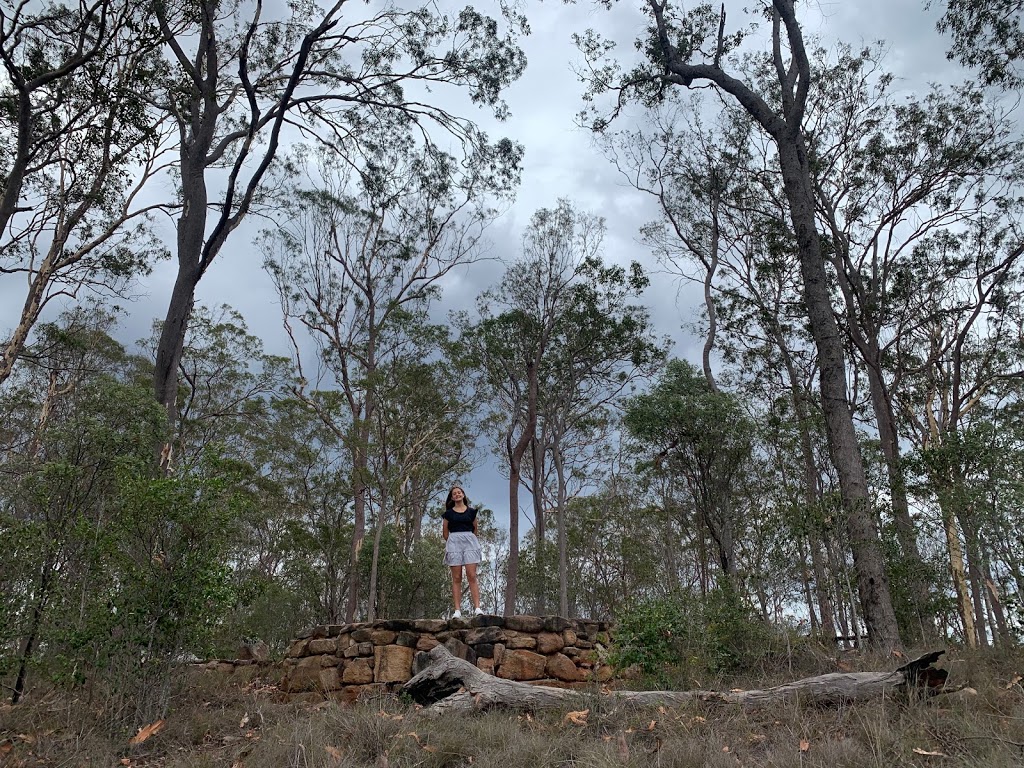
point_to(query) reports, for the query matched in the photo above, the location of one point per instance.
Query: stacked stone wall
(345, 661)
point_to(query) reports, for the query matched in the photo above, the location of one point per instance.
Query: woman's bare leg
(474, 587)
(457, 585)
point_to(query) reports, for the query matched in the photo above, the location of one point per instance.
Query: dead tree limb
(449, 684)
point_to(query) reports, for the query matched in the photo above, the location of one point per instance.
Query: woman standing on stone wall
(461, 549)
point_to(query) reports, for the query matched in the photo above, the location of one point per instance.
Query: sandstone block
(383, 637)
(303, 677)
(560, 667)
(569, 637)
(499, 653)
(485, 664)
(397, 625)
(428, 625)
(329, 679)
(357, 672)
(522, 665)
(426, 642)
(333, 630)
(392, 663)
(362, 634)
(525, 623)
(521, 642)
(322, 645)
(549, 642)
(407, 639)
(557, 624)
(297, 649)
(485, 635)
(358, 649)
(484, 651)
(581, 643)
(258, 651)
(460, 649)
(602, 673)
(571, 651)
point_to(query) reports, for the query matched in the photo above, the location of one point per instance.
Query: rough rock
(522, 665)
(319, 646)
(525, 623)
(357, 672)
(549, 642)
(560, 667)
(392, 663)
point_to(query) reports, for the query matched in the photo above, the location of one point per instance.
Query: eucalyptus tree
(421, 438)
(684, 49)
(558, 340)
(114, 570)
(689, 428)
(356, 262)
(721, 225)
(887, 174)
(604, 345)
(987, 35)
(228, 383)
(239, 83)
(962, 359)
(77, 148)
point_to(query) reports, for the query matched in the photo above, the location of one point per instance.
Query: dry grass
(236, 722)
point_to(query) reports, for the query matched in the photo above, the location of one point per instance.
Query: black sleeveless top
(460, 522)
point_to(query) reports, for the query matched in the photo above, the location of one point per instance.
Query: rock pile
(344, 661)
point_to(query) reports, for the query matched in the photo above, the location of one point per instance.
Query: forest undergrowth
(240, 720)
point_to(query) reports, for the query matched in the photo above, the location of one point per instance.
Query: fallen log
(449, 684)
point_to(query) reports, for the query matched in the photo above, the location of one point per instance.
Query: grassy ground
(232, 721)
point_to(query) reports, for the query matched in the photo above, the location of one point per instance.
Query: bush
(715, 632)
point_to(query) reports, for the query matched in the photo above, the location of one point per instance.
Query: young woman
(461, 549)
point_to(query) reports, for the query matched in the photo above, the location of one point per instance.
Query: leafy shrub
(715, 632)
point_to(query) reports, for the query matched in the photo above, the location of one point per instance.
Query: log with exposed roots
(450, 684)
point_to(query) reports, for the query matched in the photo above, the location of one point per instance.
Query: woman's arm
(444, 529)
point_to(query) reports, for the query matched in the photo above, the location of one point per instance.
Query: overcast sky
(560, 161)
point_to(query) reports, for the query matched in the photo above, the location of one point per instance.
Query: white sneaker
(457, 615)
(478, 612)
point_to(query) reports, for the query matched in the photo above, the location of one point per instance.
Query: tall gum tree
(681, 50)
(960, 358)
(558, 340)
(240, 82)
(887, 175)
(721, 209)
(78, 148)
(357, 257)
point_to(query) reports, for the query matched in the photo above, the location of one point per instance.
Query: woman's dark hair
(449, 502)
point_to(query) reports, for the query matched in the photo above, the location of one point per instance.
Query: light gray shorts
(462, 548)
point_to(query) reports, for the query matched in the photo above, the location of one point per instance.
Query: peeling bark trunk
(959, 575)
